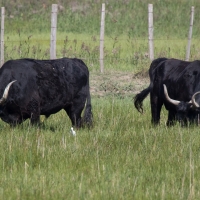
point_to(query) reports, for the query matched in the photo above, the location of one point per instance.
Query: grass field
(123, 156)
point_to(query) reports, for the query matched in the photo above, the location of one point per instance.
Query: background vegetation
(27, 30)
(122, 156)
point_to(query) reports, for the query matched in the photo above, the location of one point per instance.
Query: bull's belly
(51, 108)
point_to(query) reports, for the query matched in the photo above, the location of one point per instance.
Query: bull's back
(179, 77)
(54, 81)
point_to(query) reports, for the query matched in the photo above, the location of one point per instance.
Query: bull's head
(5, 94)
(184, 109)
(192, 103)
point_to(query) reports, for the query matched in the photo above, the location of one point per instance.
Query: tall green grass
(122, 157)
(120, 53)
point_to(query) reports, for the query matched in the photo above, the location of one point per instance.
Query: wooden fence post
(101, 57)
(2, 35)
(53, 31)
(150, 31)
(190, 34)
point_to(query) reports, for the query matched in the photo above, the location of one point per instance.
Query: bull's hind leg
(75, 109)
(156, 105)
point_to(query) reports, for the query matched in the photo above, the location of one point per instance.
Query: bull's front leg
(35, 118)
(171, 118)
(34, 111)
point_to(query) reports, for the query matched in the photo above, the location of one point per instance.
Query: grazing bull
(30, 88)
(182, 81)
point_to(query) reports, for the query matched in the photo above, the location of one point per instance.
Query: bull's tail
(88, 116)
(138, 99)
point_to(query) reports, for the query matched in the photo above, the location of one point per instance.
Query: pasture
(123, 156)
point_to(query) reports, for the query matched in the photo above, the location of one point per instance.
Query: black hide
(44, 87)
(182, 80)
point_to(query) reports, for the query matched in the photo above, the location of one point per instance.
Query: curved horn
(5, 94)
(194, 103)
(175, 102)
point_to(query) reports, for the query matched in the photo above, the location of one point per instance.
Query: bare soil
(121, 84)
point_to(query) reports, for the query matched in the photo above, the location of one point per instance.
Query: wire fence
(130, 53)
(116, 50)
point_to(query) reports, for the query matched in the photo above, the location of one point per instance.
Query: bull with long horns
(180, 95)
(30, 88)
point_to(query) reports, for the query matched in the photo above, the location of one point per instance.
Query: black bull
(181, 81)
(30, 88)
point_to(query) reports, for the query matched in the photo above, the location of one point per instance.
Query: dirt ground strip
(121, 84)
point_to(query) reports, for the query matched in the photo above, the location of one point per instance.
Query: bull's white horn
(175, 102)
(194, 103)
(5, 94)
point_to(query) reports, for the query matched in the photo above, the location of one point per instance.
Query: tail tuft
(138, 99)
